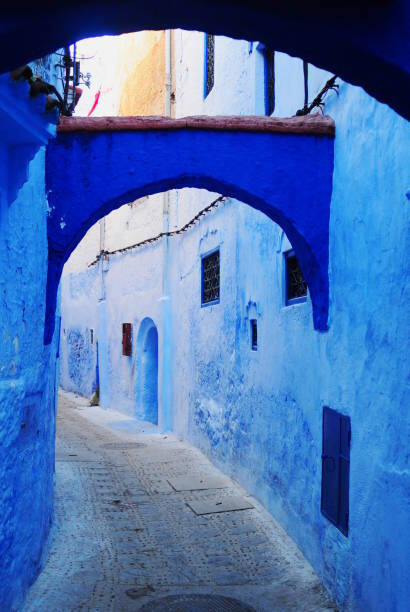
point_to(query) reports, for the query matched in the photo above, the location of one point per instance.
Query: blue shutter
(335, 468)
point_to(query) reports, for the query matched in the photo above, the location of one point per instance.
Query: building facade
(198, 330)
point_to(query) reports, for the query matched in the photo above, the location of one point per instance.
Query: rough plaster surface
(290, 180)
(258, 414)
(27, 368)
(260, 417)
(123, 537)
(78, 356)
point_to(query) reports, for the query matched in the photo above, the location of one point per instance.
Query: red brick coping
(309, 124)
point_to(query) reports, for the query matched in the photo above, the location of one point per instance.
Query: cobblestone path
(124, 538)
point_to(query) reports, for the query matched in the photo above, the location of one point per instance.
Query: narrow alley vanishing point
(125, 539)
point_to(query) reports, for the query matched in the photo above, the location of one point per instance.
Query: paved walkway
(125, 539)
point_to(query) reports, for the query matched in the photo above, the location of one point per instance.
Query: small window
(296, 287)
(210, 278)
(335, 468)
(127, 339)
(254, 334)
(91, 336)
(209, 63)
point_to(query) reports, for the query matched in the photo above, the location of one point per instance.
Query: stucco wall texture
(258, 414)
(27, 368)
(27, 382)
(128, 73)
(143, 89)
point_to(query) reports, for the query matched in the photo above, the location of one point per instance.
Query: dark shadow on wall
(365, 43)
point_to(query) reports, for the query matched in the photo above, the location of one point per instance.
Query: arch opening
(116, 277)
(290, 180)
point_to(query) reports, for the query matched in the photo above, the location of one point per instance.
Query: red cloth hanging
(96, 99)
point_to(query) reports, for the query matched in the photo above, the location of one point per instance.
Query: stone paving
(124, 538)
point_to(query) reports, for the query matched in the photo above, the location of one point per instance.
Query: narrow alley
(127, 537)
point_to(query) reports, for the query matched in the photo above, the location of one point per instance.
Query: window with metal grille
(269, 69)
(296, 287)
(254, 334)
(127, 339)
(209, 63)
(210, 278)
(335, 468)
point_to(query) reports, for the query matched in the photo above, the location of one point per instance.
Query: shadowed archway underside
(365, 42)
(282, 167)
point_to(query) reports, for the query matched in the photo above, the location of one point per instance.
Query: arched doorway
(147, 363)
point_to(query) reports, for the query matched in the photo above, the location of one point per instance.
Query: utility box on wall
(335, 468)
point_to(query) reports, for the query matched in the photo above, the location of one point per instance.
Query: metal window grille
(254, 334)
(269, 60)
(296, 287)
(209, 63)
(127, 339)
(210, 278)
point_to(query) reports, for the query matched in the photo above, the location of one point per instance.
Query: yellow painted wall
(141, 57)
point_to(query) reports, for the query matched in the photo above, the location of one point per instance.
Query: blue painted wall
(27, 368)
(290, 180)
(78, 352)
(258, 414)
(132, 290)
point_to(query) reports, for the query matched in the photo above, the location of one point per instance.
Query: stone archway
(282, 167)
